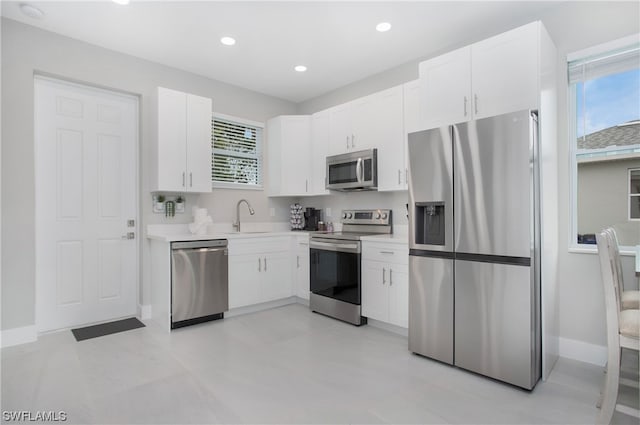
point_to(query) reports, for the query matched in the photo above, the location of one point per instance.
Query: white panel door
(340, 134)
(399, 295)
(276, 277)
(319, 152)
(295, 163)
(375, 290)
(199, 147)
(245, 273)
(387, 121)
(446, 85)
(86, 143)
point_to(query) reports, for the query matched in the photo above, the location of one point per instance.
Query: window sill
(592, 249)
(235, 186)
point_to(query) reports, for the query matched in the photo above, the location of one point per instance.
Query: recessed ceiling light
(383, 26)
(300, 68)
(121, 1)
(228, 41)
(31, 11)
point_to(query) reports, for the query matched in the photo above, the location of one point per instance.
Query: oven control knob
(384, 216)
(377, 216)
(349, 215)
(344, 215)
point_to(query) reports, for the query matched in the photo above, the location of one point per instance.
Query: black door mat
(106, 329)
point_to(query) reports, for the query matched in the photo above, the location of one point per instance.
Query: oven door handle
(338, 247)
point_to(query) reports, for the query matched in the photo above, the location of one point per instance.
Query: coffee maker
(311, 219)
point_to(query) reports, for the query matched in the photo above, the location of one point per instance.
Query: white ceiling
(337, 41)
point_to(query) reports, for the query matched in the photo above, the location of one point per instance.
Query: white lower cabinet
(385, 283)
(301, 267)
(259, 271)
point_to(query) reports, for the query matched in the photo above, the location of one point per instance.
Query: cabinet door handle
(406, 176)
(259, 265)
(190, 179)
(265, 264)
(390, 277)
(465, 106)
(297, 261)
(475, 98)
(399, 178)
(183, 179)
(383, 279)
(353, 138)
(347, 142)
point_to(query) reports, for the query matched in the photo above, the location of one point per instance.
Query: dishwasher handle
(212, 244)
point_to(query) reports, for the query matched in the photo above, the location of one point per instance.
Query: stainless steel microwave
(353, 171)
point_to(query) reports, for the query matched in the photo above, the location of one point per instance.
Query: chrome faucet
(236, 224)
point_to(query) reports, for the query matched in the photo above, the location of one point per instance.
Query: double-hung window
(237, 152)
(604, 132)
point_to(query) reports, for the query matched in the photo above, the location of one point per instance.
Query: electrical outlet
(272, 212)
(328, 212)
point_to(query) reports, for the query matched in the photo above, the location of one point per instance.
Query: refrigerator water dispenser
(429, 223)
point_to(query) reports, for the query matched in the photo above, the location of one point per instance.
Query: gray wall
(573, 26)
(26, 50)
(603, 198)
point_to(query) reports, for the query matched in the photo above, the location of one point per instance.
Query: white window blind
(237, 153)
(611, 62)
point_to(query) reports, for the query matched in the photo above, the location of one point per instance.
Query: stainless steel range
(335, 264)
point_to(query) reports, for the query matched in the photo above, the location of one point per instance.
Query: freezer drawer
(495, 321)
(431, 307)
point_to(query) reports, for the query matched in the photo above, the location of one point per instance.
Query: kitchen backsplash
(338, 201)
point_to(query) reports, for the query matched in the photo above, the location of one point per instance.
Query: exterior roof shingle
(619, 135)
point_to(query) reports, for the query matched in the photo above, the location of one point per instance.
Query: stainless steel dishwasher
(199, 281)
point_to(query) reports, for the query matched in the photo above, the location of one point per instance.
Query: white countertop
(180, 232)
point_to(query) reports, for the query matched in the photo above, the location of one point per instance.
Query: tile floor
(285, 365)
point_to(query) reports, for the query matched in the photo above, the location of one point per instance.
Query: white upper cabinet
(288, 146)
(374, 121)
(340, 129)
(183, 150)
(387, 122)
(505, 72)
(413, 110)
(446, 86)
(319, 152)
(488, 78)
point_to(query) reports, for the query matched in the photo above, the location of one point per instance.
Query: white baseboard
(388, 327)
(238, 311)
(583, 351)
(144, 311)
(303, 301)
(17, 336)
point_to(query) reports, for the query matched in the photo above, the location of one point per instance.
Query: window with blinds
(604, 131)
(237, 154)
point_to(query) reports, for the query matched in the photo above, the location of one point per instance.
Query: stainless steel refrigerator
(474, 238)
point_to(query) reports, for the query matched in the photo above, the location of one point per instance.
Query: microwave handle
(359, 171)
